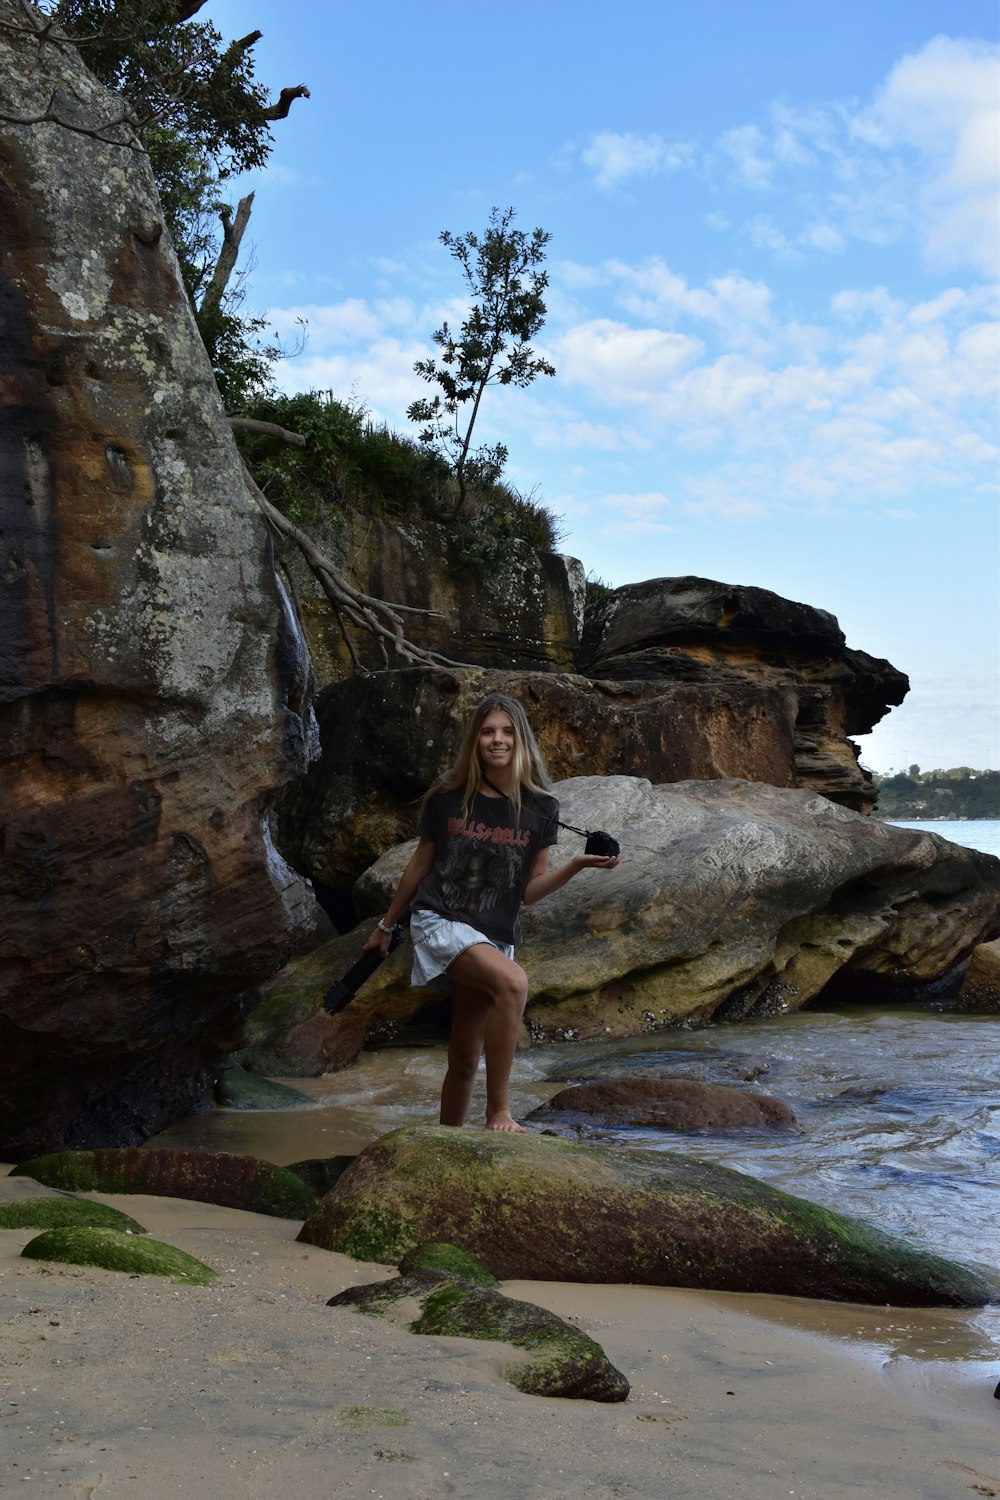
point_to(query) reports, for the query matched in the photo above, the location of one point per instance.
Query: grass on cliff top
(351, 462)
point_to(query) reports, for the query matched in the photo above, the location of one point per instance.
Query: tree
(192, 103)
(502, 272)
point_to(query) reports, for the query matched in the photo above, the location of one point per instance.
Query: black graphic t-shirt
(483, 861)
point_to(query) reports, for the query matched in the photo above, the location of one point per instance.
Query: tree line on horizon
(960, 792)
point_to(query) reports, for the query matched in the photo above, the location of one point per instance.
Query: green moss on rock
(203, 1176)
(449, 1258)
(542, 1208)
(564, 1362)
(114, 1251)
(58, 1213)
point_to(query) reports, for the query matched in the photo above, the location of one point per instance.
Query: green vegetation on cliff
(958, 793)
(352, 462)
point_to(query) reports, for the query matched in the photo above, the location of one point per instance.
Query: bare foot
(505, 1121)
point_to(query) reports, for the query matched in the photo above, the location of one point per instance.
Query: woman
(484, 836)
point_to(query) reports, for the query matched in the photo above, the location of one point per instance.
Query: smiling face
(497, 740)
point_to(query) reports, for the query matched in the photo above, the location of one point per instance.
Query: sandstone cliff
(152, 679)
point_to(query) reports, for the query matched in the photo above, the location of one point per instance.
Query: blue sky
(772, 304)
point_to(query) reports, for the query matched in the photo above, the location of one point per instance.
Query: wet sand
(252, 1388)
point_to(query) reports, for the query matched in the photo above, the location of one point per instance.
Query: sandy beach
(113, 1385)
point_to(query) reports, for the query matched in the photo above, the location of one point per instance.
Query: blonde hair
(466, 774)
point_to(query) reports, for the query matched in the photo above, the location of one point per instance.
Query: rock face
(676, 679)
(981, 985)
(541, 1208)
(733, 899)
(666, 1104)
(694, 630)
(153, 683)
(501, 605)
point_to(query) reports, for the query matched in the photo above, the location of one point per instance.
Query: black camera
(601, 843)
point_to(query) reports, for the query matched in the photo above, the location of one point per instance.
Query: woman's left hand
(598, 861)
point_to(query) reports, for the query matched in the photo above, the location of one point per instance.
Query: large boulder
(153, 681)
(696, 630)
(543, 1209)
(732, 899)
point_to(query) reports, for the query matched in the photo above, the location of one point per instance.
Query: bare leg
(469, 1012)
(504, 985)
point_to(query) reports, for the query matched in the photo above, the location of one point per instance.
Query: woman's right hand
(378, 939)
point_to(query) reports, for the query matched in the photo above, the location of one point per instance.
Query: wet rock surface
(666, 1104)
(541, 1208)
(981, 986)
(205, 1176)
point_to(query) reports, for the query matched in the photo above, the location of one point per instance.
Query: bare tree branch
(233, 231)
(379, 618)
(236, 49)
(96, 132)
(267, 429)
(279, 110)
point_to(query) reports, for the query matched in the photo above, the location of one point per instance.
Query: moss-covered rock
(459, 1297)
(320, 1173)
(543, 1208)
(205, 1176)
(114, 1251)
(447, 1258)
(64, 1213)
(240, 1089)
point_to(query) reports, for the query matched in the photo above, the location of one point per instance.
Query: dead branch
(279, 110)
(376, 616)
(267, 429)
(233, 231)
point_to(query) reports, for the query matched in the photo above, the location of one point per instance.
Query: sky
(772, 304)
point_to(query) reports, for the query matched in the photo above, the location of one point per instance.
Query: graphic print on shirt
(478, 873)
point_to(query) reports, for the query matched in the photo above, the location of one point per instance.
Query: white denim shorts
(437, 942)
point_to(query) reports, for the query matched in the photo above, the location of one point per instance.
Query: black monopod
(340, 995)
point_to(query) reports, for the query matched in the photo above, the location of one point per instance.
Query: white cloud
(635, 514)
(941, 103)
(619, 362)
(616, 156)
(652, 289)
(748, 152)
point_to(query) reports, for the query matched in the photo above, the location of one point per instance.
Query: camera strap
(570, 827)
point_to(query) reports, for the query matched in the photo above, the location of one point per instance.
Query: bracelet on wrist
(383, 928)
